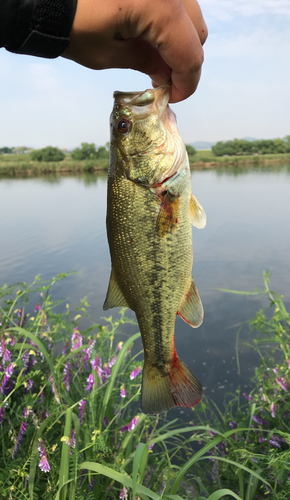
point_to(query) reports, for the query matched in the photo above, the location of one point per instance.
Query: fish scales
(149, 214)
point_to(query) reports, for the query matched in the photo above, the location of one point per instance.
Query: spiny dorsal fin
(197, 213)
(191, 309)
(115, 297)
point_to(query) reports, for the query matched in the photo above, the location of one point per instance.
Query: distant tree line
(85, 152)
(243, 147)
(90, 152)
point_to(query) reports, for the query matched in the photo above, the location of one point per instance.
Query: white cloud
(225, 10)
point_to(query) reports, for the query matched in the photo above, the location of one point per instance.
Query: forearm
(36, 27)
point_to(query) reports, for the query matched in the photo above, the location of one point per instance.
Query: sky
(244, 90)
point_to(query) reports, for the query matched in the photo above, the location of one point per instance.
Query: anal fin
(191, 309)
(115, 297)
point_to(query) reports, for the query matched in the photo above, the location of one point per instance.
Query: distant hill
(202, 144)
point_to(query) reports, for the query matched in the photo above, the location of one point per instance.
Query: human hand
(162, 38)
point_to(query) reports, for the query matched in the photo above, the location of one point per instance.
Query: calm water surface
(50, 225)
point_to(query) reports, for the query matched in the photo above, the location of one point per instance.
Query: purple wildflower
(91, 484)
(274, 442)
(37, 308)
(123, 391)
(0, 320)
(8, 373)
(120, 345)
(275, 370)
(233, 424)
(288, 361)
(27, 411)
(273, 410)
(19, 438)
(88, 350)
(82, 405)
(283, 384)
(112, 362)
(19, 313)
(28, 386)
(76, 339)
(123, 494)
(105, 421)
(151, 446)
(259, 420)
(90, 382)
(73, 438)
(248, 396)
(97, 366)
(2, 413)
(131, 425)
(106, 373)
(135, 372)
(43, 462)
(67, 376)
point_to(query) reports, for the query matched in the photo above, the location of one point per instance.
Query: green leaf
(114, 374)
(65, 456)
(221, 493)
(120, 478)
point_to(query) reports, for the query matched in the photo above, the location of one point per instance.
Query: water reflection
(53, 224)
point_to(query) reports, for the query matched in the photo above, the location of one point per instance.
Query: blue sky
(244, 90)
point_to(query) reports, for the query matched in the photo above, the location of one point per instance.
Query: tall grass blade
(240, 466)
(114, 374)
(252, 486)
(221, 493)
(119, 478)
(198, 455)
(65, 456)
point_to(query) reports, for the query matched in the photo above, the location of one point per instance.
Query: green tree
(102, 152)
(86, 152)
(47, 154)
(6, 151)
(190, 150)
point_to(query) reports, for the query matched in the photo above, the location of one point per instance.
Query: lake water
(53, 224)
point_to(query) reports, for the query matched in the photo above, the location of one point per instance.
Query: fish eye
(123, 125)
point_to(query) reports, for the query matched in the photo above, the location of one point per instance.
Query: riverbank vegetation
(70, 422)
(88, 158)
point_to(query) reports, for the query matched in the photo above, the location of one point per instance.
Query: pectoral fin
(167, 219)
(191, 309)
(197, 213)
(115, 297)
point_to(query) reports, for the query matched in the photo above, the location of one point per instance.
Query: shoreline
(22, 168)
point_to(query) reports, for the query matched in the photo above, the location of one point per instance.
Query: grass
(21, 165)
(71, 426)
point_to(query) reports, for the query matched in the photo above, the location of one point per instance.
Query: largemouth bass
(149, 215)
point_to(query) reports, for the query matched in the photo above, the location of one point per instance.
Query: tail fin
(160, 391)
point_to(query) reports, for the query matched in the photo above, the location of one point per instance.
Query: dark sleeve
(36, 27)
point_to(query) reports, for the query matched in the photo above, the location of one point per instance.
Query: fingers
(180, 46)
(162, 39)
(194, 12)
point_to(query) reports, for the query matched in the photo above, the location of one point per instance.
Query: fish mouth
(160, 95)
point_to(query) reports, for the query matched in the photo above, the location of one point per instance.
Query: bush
(47, 154)
(190, 150)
